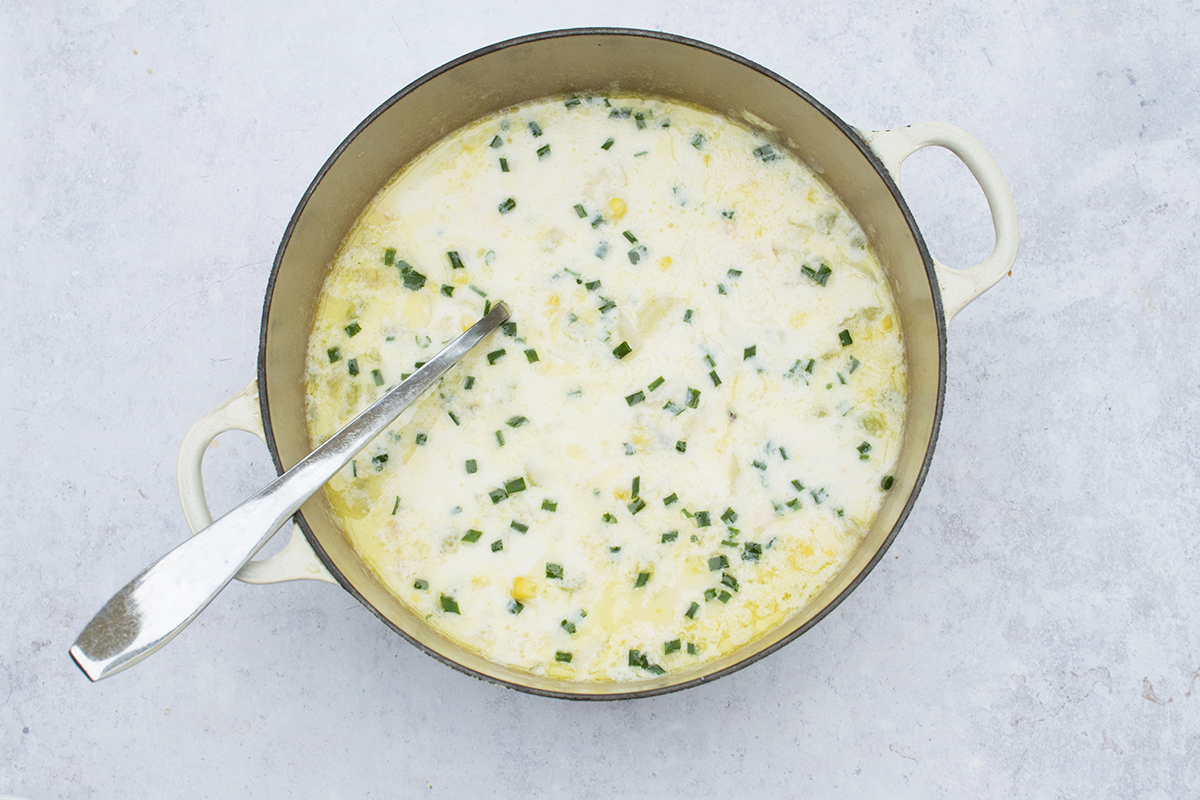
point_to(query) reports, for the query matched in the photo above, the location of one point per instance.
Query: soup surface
(683, 432)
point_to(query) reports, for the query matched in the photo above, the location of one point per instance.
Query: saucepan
(860, 167)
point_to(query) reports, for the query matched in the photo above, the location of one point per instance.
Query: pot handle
(959, 286)
(296, 560)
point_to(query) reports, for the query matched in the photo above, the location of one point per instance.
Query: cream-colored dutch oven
(861, 168)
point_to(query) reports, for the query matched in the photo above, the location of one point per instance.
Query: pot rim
(855, 138)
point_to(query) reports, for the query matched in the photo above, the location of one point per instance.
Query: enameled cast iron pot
(861, 168)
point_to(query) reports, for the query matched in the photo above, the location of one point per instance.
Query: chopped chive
(509, 328)
(397, 506)
(819, 495)
(636, 487)
(819, 276)
(702, 519)
(496, 141)
(759, 465)
(514, 486)
(716, 379)
(635, 398)
(472, 466)
(562, 658)
(729, 581)
(497, 546)
(447, 290)
(718, 562)
(352, 329)
(844, 336)
(519, 527)
(354, 469)
(389, 256)
(580, 211)
(766, 153)
(693, 397)
(698, 140)
(453, 418)
(635, 255)
(602, 250)
(377, 376)
(597, 221)
(495, 356)
(535, 129)
(455, 261)
(670, 536)
(554, 571)
(334, 353)
(497, 495)
(673, 407)
(549, 505)
(629, 235)
(671, 498)
(681, 446)
(477, 290)
(687, 315)
(691, 612)
(721, 289)
(543, 151)
(413, 280)
(637, 505)
(734, 274)
(750, 352)
(799, 486)
(592, 286)
(515, 607)
(710, 594)
(509, 204)
(727, 214)
(378, 461)
(640, 118)
(422, 438)
(448, 604)
(887, 482)
(724, 596)
(751, 551)
(568, 626)
(622, 350)
(729, 517)
(657, 382)
(352, 366)
(420, 584)
(864, 448)
(472, 536)
(672, 646)
(468, 382)
(609, 518)
(517, 421)
(607, 144)
(630, 449)
(642, 579)
(691, 648)
(794, 504)
(531, 356)
(607, 306)
(854, 364)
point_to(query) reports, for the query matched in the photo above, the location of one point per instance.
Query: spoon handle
(163, 599)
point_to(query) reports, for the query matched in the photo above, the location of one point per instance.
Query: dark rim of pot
(866, 152)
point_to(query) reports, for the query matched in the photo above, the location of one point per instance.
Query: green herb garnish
(554, 571)
(472, 467)
(389, 256)
(495, 356)
(509, 204)
(455, 261)
(681, 446)
(607, 144)
(622, 350)
(580, 211)
(518, 526)
(517, 421)
(472, 536)
(642, 579)
(562, 658)
(671, 498)
(669, 536)
(750, 352)
(657, 382)
(352, 366)
(334, 353)
(420, 584)
(514, 486)
(718, 562)
(844, 336)
(449, 605)
(352, 329)
(549, 505)
(635, 398)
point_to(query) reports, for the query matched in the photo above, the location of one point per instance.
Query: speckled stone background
(1034, 631)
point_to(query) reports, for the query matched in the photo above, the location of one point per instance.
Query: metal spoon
(161, 601)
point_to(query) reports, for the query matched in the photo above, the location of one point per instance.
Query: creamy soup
(684, 430)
